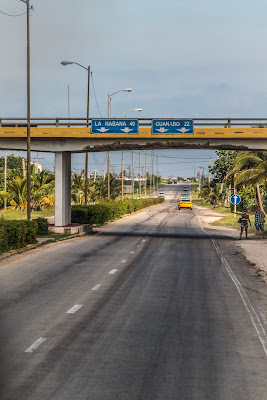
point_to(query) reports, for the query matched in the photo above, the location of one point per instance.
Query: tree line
(43, 186)
(239, 172)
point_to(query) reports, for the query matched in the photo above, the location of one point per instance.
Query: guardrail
(84, 122)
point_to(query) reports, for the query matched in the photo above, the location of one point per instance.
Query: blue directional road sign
(172, 126)
(115, 126)
(235, 199)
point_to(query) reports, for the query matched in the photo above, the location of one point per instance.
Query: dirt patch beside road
(254, 249)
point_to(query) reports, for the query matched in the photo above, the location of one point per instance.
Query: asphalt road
(150, 308)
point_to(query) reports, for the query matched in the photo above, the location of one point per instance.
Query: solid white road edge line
(113, 271)
(35, 345)
(74, 309)
(97, 286)
(262, 335)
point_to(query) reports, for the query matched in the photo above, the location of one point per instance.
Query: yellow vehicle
(185, 203)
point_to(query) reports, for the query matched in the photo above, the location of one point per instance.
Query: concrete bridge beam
(62, 189)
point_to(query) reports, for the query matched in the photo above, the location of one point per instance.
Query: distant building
(127, 189)
(38, 167)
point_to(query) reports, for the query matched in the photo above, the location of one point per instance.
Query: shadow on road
(177, 235)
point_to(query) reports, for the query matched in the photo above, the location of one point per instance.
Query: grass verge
(23, 214)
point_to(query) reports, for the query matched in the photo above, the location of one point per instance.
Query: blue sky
(181, 58)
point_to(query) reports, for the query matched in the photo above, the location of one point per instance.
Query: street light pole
(86, 154)
(139, 174)
(87, 123)
(27, 2)
(108, 105)
(132, 174)
(112, 94)
(28, 117)
(134, 109)
(5, 177)
(122, 172)
(108, 177)
(145, 171)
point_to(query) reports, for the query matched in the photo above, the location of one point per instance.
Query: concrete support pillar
(62, 189)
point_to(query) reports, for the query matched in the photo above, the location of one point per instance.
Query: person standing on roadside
(244, 221)
(259, 222)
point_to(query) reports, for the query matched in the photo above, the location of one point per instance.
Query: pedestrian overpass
(64, 136)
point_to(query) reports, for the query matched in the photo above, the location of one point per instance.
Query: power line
(13, 15)
(95, 96)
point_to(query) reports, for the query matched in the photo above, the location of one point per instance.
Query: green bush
(104, 211)
(43, 226)
(15, 234)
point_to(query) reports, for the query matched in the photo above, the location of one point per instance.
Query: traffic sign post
(235, 200)
(172, 126)
(115, 126)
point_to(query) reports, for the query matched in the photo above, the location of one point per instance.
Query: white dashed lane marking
(132, 252)
(113, 271)
(143, 240)
(123, 261)
(97, 286)
(35, 345)
(74, 309)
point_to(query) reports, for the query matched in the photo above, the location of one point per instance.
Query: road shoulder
(253, 249)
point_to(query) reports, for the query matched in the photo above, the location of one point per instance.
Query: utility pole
(69, 104)
(200, 178)
(24, 167)
(132, 174)
(157, 173)
(150, 174)
(122, 177)
(95, 176)
(139, 174)
(5, 176)
(145, 171)
(87, 124)
(210, 171)
(108, 177)
(153, 175)
(28, 117)
(27, 2)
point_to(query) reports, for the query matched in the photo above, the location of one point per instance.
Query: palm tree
(250, 168)
(43, 185)
(17, 192)
(101, 188)
(209, 191)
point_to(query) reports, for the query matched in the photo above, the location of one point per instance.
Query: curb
(32, 246)
(74, 236)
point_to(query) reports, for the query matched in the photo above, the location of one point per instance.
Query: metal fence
(145, 122)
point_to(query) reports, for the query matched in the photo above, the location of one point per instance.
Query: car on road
(185, 203)
(185, 188)
(162, 195)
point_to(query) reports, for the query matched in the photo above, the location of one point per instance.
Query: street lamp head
(138, 109)
(127, 90)
(67, 62)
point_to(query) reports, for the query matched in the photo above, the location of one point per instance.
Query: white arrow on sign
(235, 198)
(103, 130)
(162, 130)
(126, 130)
(183, 130)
